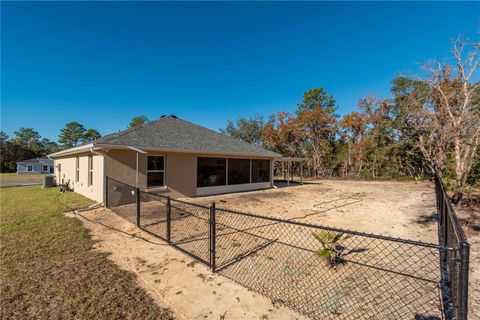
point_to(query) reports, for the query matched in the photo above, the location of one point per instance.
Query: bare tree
(448, 122)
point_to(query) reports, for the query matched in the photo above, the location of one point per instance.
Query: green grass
(49, 270)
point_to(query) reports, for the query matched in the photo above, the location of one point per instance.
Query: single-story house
(41, 165)
(168, 156)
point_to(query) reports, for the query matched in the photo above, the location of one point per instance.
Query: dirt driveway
(398, 209)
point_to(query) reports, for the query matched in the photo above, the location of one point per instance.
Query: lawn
(14, 176)
(49, 270)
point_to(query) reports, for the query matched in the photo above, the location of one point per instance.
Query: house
(41, 165)
(169, 156)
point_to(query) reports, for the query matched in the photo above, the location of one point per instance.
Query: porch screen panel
(211, 172)
(260, 171)
(238, 171)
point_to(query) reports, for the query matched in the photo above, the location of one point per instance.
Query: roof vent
(173, 116)
(163, 116)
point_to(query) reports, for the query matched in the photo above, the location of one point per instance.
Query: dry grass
(49, 270)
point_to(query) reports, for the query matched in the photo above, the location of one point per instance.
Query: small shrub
(331, 249)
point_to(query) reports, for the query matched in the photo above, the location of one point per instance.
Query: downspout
(136, 171)
(104, 173)
(137, 152)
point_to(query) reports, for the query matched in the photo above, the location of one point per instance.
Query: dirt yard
(174, 279)
(382, 278)
(399, 209)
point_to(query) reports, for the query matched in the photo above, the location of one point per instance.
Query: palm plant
(331, 249)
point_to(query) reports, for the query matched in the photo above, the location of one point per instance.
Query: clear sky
(101, 63)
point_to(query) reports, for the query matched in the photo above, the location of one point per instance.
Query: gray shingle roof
(171, 133)
(35, 160)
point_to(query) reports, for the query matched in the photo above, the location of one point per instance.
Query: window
(211, 172)
(260, 171)
(238, 171)
(155, 171)
(77, 169)
(44, 168)
(90, 170)
(29, 168)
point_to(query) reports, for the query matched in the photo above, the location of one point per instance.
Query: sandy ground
(399, 209)
(173, 279)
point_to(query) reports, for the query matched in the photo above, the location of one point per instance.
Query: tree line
(431, 124)
(27, 143)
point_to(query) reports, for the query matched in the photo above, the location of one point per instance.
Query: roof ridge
(128, 130)
(179, 134)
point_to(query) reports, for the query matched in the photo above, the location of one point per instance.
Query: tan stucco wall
(68, 172)
(120, 164)
(180, 171)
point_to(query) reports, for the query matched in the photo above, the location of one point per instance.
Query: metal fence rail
(321, 272)
(455, 263)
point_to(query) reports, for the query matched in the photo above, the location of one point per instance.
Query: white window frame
(29, 167)
(90, 170)
(77, 169)
(163, 171)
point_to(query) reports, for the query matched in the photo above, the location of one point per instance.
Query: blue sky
(101, 63)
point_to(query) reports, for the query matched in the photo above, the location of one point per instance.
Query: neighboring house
(41, 165)
(168, 156)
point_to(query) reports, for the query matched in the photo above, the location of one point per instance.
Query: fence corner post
(169, 218)
(137, 195)
(463, 278)
(212, 237)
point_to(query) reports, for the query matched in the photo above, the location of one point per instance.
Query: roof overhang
(141, 149)
(153, 149)
(291, 159)
(135, 149)
(74, 150)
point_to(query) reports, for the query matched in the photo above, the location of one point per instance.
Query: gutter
(71, 150)
(226, 154)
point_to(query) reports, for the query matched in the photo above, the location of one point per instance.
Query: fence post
(463, 280)
(212, 237)
(106, 191)
(137, 194)
(169, 218)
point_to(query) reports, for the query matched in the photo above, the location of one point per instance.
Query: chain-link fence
(122, 198)
(319, 271)
(454, 263)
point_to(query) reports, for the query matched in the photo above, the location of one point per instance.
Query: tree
(316, 125)
(3, 141)
(353, 127)
(3, 137)
(245, 129)
(445, 114)
(72, 134)
(28, 138)
(280, 135)
(138, 121)
(91, 135)
(315, 98)
(49, 146)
